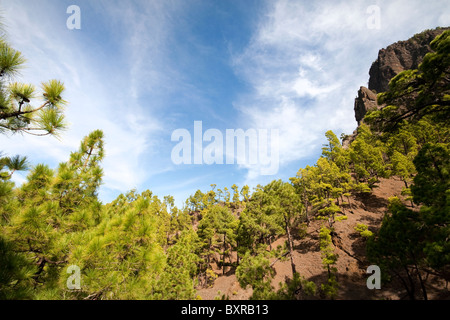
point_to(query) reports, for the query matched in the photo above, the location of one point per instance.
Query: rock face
(365, 101)
(400, 56)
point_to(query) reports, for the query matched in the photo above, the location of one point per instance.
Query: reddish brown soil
(367, 209)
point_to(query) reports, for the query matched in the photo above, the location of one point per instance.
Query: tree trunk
(237, 252)
(306, 211)
(210, 244)
(412, 292)
(291, 244)
(406, 186)
(405, 285)
(223, 253)
(422, 284)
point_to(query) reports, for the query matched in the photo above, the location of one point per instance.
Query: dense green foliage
(413, 241)
(141, 247)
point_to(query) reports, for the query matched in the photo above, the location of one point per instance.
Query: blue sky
(138, 70)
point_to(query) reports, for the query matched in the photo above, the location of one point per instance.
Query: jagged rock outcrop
(365, 101)
(400, 56)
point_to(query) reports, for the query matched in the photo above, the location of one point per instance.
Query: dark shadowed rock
(365, 101)
(400, 56)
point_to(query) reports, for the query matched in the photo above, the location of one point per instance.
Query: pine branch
(5, 115)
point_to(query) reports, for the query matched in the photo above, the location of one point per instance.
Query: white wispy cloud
(133, 61)
(306, 61)
(102, 95)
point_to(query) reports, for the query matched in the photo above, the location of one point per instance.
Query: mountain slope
(365, 208)
(368, 209)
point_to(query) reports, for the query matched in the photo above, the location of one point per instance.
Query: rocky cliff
(365, 101)
(400, 56)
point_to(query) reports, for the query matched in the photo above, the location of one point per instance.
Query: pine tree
(8, 166)
(17, 113)
(78, 180)
(121, 257)
(27, 236)
(216, 232)
(236, 198)
(256, 272)
(412, 94)
(397, 248)
(367, 154)
(245, 193)
(16, 273)
(329, 259)
(177, 280)
(321, 187)
(410, 243)
(431, 189)
(402, 147)
(334, 151)
(271, 212)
